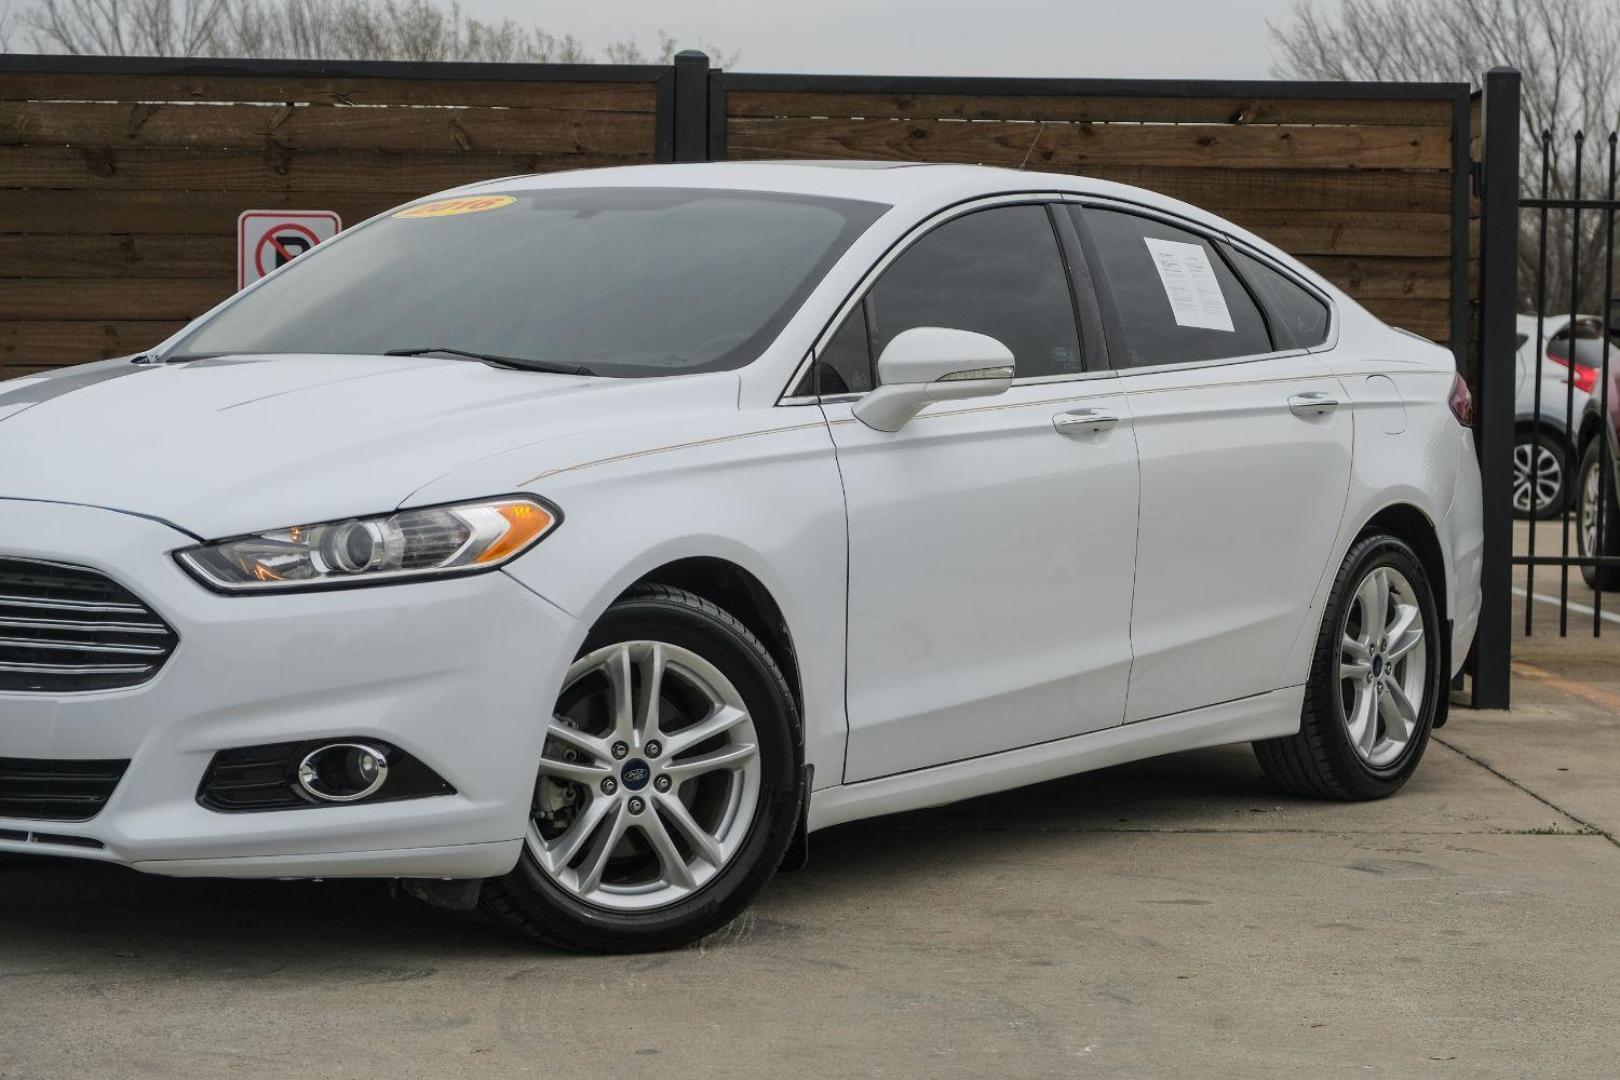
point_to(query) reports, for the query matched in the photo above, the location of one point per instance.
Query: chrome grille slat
(8, 622)
(71, 605)
(77, 669)
(81, 646)
(69, 629)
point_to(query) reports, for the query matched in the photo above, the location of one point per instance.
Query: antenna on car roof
(1032, 146)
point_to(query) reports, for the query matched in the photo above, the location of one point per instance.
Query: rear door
(1244, 440)
(991, 541)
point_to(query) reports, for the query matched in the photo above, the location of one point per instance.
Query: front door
(991, 542)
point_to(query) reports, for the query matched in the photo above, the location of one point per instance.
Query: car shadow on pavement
(62, 912)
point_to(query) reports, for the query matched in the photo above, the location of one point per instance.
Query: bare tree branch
(303, 29)
(1566, 51)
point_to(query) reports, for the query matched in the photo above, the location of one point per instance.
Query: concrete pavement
(1173, 918)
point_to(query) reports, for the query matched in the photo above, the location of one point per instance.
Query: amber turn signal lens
(525, 523)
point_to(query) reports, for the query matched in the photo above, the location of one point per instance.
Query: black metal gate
(1549, 403)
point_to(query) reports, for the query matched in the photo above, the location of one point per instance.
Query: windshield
(623, 281)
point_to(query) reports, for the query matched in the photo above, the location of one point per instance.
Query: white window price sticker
(1191, 285)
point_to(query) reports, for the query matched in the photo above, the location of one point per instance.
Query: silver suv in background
(1544, 454)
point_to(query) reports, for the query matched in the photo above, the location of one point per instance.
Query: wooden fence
(1364, 182)
(120, 180)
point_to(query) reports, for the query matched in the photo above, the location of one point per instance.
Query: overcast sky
(1112, 38)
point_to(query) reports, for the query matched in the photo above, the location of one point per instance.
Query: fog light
(343, 772)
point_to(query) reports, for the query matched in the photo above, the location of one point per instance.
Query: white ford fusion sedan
(579, 544)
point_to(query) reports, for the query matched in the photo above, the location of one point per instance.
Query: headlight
(435, 541)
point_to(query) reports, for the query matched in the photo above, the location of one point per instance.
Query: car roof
(895, 183)
(916, 189)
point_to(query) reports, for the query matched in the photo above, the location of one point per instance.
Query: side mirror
(932, 363)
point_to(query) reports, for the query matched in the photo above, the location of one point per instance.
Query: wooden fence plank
(98, 167)
(1385, 277)
(1284, 189)
(32, 344)
(1075, 146)
(78, 299)
(309, 127)
(202, 213)
(117, 256)
(630, 97)
(1224, 110)
(1345, 233)
(1430, 318)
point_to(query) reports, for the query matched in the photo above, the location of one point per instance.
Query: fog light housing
(343, 772)
(315, 773)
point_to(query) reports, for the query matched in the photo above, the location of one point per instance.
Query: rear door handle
(1314, 403)
(1083, 421)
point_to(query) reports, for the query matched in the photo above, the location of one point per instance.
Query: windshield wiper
(525, 363)
(184, 358)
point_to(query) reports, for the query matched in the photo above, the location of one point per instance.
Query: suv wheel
(1540, 475)
(1591, 496)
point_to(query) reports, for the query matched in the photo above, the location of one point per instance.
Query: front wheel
(1375, 681)
(668, 787)
(1591, 496)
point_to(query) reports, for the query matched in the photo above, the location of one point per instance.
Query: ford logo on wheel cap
(635, 774)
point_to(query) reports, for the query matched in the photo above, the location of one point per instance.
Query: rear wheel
(1375, 682)
(668, 786)
(1590, 494)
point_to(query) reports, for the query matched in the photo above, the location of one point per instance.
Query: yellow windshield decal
(467, 204)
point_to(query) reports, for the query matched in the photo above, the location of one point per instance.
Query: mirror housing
(933, 363)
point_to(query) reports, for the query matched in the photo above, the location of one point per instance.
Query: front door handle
(1083, 421)
(1314, 403)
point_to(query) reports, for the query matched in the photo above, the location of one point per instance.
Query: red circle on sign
(269, 240)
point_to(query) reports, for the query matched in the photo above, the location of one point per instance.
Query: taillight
(1461, 401)
(1584, 378)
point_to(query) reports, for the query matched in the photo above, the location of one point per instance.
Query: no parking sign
(266, 239)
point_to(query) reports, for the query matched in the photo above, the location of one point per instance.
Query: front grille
(65, 629)
(41, 790)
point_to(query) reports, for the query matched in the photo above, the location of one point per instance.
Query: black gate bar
(1498, 304)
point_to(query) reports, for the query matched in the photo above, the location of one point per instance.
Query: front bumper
(460, 673)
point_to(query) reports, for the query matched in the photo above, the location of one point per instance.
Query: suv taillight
(1461, 401)
(1584, 378)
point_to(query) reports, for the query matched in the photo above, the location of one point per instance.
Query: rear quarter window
(1299, 318)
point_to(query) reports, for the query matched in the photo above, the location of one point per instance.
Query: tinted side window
(844, 366)
(998, 272)
(1298, 319)
(1178, 301)
(1588, 338)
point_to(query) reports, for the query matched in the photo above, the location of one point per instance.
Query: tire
(1540, 471)
(1323, 760)
(1588, 487)
(641, 899)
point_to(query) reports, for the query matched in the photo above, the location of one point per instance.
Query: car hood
(246, 443)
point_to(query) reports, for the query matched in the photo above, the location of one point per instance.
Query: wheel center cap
(635, 774)
(1378, 667)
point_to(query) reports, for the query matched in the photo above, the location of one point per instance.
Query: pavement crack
(1505, 778)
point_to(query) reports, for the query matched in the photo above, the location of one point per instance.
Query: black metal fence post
(1498, 304)
(691, 120)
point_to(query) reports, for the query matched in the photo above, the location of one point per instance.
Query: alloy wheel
(1383, 667)
(1591, 493)
(649, 777)
(1535, 469)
